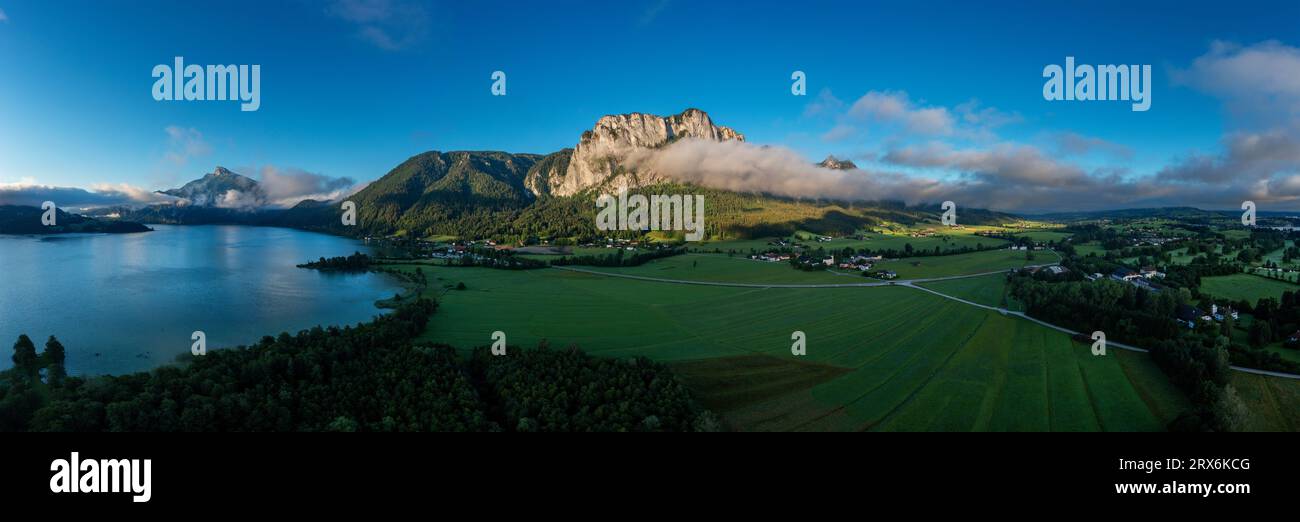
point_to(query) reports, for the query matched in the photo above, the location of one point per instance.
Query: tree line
(357, 262)
(620, 258)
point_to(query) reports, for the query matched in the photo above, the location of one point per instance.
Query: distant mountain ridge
(521, 197)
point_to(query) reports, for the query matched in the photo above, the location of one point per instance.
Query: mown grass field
(990, 290)
(739, 246)
(574, 251)
(945, 241)
(1091, 248)
(1236, 287)
(721, 268)
(885, 358)
(962, 264)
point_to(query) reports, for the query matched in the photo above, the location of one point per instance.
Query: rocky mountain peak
(831, 163)
(221, 188)
(601, 150)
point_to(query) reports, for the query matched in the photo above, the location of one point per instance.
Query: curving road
(909, 283)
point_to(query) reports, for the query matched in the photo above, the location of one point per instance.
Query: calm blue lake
(135, 299)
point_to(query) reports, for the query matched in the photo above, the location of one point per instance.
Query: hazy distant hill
(1132, 213)
(16, 219)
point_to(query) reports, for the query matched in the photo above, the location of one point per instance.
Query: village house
(1124, 274)
(1150, 272)
(1218, 314)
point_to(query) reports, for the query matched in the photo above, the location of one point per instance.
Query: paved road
(909, 283)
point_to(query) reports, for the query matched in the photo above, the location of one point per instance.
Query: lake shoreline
(130, 302)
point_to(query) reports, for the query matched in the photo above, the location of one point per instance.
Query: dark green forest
(369, 377)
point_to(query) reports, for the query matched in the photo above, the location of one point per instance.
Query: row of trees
(357, 262)
(493, 258)
(1125, 312)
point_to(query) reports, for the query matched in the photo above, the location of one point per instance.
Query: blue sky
(352, 88)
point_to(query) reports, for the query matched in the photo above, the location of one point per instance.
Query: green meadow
(737, 269)
(884, 358)
(1044, 235)
(961, 264)
(989, 290)
(1249, 287)
(1091, 248)
(1273, 402)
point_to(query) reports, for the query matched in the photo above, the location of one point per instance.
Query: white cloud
(652, 11)
(1246, 156)
(745, 167)
(392, 25)
(286, 187)
(1260, 83)
(1071, 143)
(184, 144)
(897, 107)
(975, 114)
(1007, 163)
(1007, 176)
(3, 17)
(839, 132)
(824, 104)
